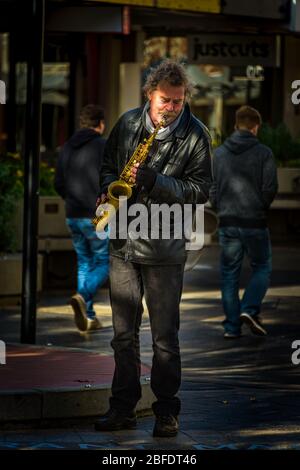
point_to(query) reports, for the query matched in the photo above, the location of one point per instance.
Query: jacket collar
(182, 127)
(135, 123)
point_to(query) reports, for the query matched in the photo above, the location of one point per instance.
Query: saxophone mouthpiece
(164, 119)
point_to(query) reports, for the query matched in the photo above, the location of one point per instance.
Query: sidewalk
(235, 394)
(40, 383)
(52, 381)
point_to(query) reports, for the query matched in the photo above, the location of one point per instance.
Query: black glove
(146, 177)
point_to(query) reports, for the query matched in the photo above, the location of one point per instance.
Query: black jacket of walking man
(178, 170)
(245, 184)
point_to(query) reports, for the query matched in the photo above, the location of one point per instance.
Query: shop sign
(255, 72)
(234, 50)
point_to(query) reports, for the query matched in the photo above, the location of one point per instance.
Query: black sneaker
(115, 420)
(165, 426)
(79, 308)
(253, 323)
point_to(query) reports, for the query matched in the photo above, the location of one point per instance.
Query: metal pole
(31, 170)
(11, 106)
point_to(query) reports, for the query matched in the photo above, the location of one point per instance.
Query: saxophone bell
(106, 211)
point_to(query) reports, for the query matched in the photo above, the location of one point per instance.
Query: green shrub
(286, 150)
(47, 175)
(11, 191)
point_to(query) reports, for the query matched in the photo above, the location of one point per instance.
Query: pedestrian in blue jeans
(92, 267)
(77, 181)
(245, 184)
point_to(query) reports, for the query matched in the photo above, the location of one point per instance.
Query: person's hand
(143, 176)
(101, 199)
(133, 173)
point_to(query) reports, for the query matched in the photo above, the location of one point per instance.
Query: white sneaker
(93, 324)
(229, 335)
(253, 323)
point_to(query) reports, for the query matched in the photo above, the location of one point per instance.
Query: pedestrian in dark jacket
(77, 181)
(245, 184)
(178, 170)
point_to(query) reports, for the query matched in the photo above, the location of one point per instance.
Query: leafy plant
(47, 175)
(286, 150)
(11, 190)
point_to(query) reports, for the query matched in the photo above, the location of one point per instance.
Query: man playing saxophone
(177, 170)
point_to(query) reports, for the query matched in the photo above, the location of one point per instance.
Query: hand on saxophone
(133, 173)
(101, 199)
(143, 176)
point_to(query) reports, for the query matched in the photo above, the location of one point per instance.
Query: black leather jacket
(183, 162)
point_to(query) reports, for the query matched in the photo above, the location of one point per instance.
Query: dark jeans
(162, 287)
(235, 243)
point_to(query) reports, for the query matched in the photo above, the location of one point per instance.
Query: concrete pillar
(130, 86)
(109, 66)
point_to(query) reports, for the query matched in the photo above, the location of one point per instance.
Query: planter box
(288, 197)
(288, 180)
(53, 232)
(283, 218)
(11, 274)
(52, 217)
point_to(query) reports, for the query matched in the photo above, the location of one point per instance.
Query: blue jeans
(236, 242)
(92, 260)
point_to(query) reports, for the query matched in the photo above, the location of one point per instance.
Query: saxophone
(123, 186)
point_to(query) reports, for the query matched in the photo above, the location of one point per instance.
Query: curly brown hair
(171, 72)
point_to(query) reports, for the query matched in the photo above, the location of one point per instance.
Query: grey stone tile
(43, 435)
(131, 433)
(94, 437)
